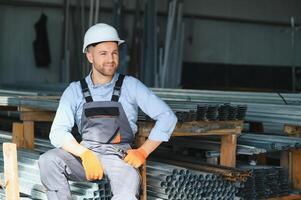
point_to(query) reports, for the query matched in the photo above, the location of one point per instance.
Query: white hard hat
(100, 33)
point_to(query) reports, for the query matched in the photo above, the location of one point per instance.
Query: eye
(103, 53)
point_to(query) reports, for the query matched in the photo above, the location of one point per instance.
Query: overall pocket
(101, 124)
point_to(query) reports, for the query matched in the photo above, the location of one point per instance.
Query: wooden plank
(30, 109)
(18, 134)
(11, 171)
(228, 150)
(198, 128)
(28, 134)
(296, 169)
(38, 116)
(145, 133)
(143, 194)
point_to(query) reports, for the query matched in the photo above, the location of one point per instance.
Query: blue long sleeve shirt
(134, 94)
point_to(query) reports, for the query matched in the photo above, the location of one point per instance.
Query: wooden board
(11, 171)
(18, 134)
(37, 116)
(23, 134)
(197, 128)
(28, 134)
(296, 169)
(228, 150)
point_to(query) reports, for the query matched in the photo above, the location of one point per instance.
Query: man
(104, 106)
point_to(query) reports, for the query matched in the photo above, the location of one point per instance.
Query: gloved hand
(136, 157)
(92, 166)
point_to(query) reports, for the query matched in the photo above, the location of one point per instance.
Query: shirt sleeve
(158, 110)
(63, 122)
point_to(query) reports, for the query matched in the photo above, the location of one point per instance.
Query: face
(104, 58)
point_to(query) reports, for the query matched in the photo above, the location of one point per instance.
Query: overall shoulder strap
(86, 91)
(117, 88)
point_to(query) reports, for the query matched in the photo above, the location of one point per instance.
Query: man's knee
(48, 161)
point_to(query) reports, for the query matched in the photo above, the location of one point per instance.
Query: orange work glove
(136, 157)
(92, 165)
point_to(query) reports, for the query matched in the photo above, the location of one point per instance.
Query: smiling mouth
(110, 66)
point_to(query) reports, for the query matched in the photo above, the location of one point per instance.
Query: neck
(98, 78)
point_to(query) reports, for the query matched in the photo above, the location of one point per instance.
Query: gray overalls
(106, 131)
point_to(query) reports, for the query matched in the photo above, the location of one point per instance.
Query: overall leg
(124, 179)
(57, 166)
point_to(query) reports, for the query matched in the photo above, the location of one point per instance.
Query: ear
(89, 57)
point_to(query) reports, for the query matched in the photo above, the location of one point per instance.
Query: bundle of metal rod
(181, 94)
(265, 141)
(229, 96)
(190, 162)
(30, 101)
(30, 180)
(262, 107)
(203, 144)
(213, 112)
(269, 142)
(166, 181)
(41, 145)
(265, 182)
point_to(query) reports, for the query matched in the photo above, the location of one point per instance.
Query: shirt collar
(90, 82)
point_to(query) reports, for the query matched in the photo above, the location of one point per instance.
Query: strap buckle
(117, 92)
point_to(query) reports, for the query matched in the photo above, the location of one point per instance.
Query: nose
(110, 57)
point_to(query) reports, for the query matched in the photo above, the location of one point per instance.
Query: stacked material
(247, 143)
(228, 173)
(269, 108)
(213, 147)
(166, 181)
(213, 112)
(265, 182)
(269, 142)
(29, 175)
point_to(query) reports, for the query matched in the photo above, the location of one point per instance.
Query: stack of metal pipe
(213, 146)
(29, 175)
(269, 108)
(269, 142)
(247, 143)
(166, 181)
(265, 182)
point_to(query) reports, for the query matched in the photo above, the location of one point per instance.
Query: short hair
(94, 44)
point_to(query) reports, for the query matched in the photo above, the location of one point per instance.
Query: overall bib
(106, 131)
(104, 122)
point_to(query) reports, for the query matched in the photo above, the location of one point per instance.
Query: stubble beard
(106, 72)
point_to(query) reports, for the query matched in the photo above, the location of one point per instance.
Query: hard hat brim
(118, 41)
